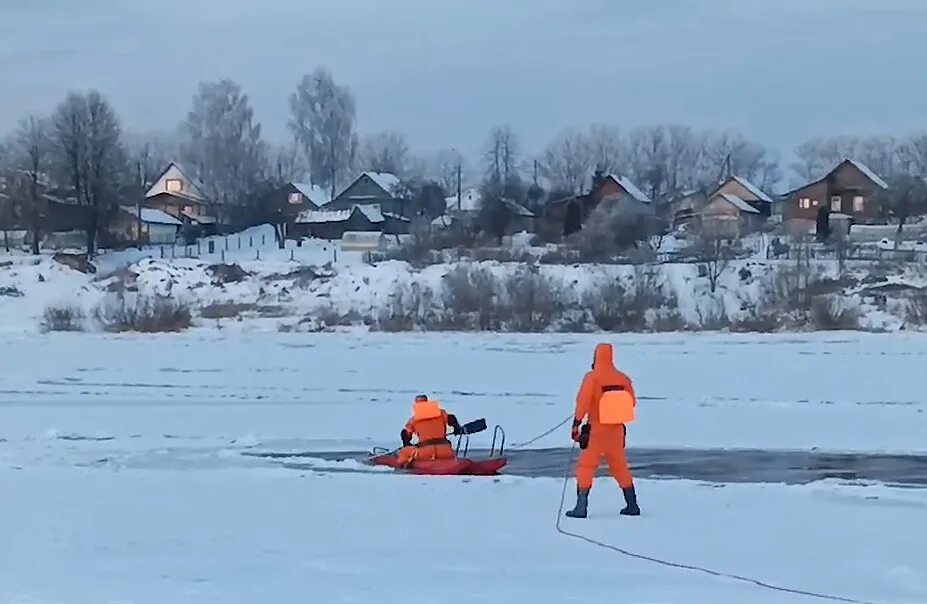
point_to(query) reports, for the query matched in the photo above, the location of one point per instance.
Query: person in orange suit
(604, 389)
(430, 423)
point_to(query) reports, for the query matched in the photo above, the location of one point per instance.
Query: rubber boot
(582, 501)
(630, 498)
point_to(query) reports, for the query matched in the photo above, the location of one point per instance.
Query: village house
(570, 213)
(143, 225)
(371, 188)
(175, 193)
(737, 207)
(61, 219)
(849, 190)
(333, 224)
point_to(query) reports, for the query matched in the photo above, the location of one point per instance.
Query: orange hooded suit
(606, 438)
(429, 422)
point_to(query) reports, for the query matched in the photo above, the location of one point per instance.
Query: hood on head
(604, 356)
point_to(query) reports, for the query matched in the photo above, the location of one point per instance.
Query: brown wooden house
(850, 188)
(570, 213)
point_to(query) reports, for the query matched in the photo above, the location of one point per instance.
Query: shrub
(63, 317)
(614, 307)
(144, 314)
(916, 311)
(225, 310)
(533, 300)
(409, 309)
(832, 313)
(470, 296)
(227, 273)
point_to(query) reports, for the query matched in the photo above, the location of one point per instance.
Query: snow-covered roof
(631, 188)
(739, 203)
(518, 209)
(753, 189)
(153, 216)
(316, 194)
(388, 182)
(395, 216)
(469, 201)
(869, 173)
(192, 188)
(442, 222)
(372, 212)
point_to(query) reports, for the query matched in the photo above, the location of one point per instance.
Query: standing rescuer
(430, 423)
(607, 401)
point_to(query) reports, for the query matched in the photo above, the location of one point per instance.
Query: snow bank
(278, 292)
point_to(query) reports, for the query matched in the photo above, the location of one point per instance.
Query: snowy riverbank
(276, 293)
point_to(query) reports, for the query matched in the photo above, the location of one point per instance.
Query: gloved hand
(574, 432)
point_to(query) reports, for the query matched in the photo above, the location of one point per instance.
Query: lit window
(859, 204)
(296, 198)
(804, 203)
(174, 185)
(814, 202)
(835, 205)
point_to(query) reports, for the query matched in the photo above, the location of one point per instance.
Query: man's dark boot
(630, 498)
(582, 501)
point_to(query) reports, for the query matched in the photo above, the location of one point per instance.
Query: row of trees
(81, 147)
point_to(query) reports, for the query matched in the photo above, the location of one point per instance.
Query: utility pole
(138, 205)
(458, 185)
(535, 172)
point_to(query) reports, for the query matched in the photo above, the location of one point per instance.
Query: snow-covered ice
(86, 537)
(838, 391)
(123, 476)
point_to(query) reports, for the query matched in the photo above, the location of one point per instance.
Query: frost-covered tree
(501, 156)
(568, 160)
(29, 152)
(151, 152)
(913, 155)
(322, 121)
(606, 148)
(386, 151)
(89, 156)
(223, 142)
(729, 153)
(445, 167)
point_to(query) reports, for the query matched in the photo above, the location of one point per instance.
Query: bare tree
(502, 155)
(150, 153)
(606, 148)
(913, 155)
(90, 157)
(446, 168)
(385, 151)
(905, 197)
(223, 143)
(728, 153)
(648, 157)
(287, 164)
(30, 154)
(322, 121)
(568, 160)
(714, 254)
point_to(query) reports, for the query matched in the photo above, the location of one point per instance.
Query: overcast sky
(445, 71)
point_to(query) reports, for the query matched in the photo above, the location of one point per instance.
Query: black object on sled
(477, 425)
